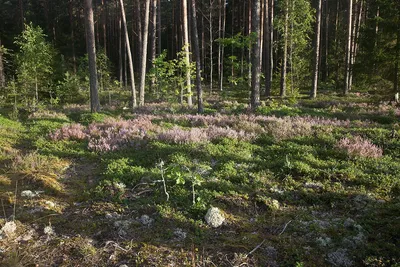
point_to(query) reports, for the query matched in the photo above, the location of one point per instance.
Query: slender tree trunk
(250, 24)
(153, 40)
(139, 31)
(255, 64)
(325, 73)
(2, 75)
(144, 50)
(348, 48)
(269, 48)
(317, 50)
(211, 45)
(397, 57)
(196, 51)
(71, 23)
(159, 32)
(91, 49)
(104, 20)
(120, 63)
(285, 51)
(186, 47)
(22, 16)
(129, 54)
(261, 34)
(355, 37)
(222, 49)
(219, 37)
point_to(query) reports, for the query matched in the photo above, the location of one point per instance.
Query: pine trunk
(317, 50)
(91, 50)
(196, 51)
(348, 48)
(129, 54)
(255, 63)
(285, 51)
(2, 75)
(144, 51)
(186, 48)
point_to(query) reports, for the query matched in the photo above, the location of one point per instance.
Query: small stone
(339, 258)
(111, 216)
(122, 224)
(146, 220)
(48, 230)
(50, 204)
(214, 217)
(123, 265)
(180, 234)
(349, 223)
(9, 228)
(28, 194)
(313, 185)
(324, 241)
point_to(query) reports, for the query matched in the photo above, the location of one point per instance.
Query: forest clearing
(199, 133)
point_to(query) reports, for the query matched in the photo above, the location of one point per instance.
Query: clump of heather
(48, 114)
(358, 146)
(180, 136)
(198, 135)
(117, 134)
(110, 135)
(73, 131)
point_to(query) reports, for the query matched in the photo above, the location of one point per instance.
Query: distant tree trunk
(222, 48)
(153, 40)
(196, 51)
(91, 49)
(144, 51)
(211, 45)
(269, 47)
(250, 23)
(317, 50)
(255, 64)
(128, 50)
(120, 63)
(139, 30)
(325, 70)
(186, 46)
(159, 32)
(103, 24)
(2, 75)
(396, 67)
(71, 23)
(347, 87)
(219, 37)
(285, 51)
(21, 12)
(354, 43)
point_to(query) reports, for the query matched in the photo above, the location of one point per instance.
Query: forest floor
(301, 183)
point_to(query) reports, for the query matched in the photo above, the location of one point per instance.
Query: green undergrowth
(301, 196)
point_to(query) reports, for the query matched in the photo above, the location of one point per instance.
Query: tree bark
(91, 49)
(196, 50)
(285, 51)
(347, 87)
(71, 22)
(144, 51)
(153, 39)
(186, 47)
(222, 55)
(128, 51)
(317, 50)
(120, 63)
(2, 75)
(211, 45)
(159, 32)
(269, 47)
(255, 64)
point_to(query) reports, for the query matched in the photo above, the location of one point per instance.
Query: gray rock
(146, 220)
(9, 229)
(324, 241)
(48, 230)
(180, 234)
(349, 223)
(29, 194)
(214, 217)
(339, 258)
(122, 224)
(123, 265)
